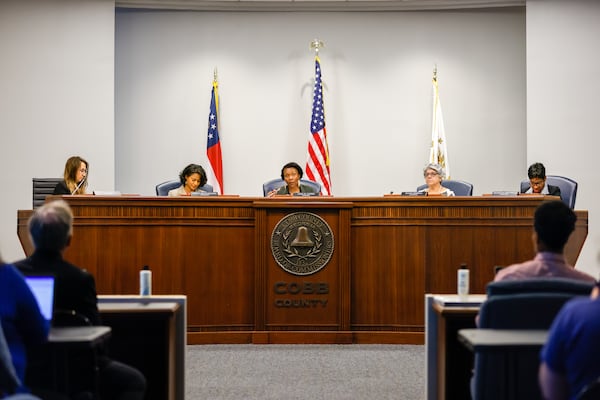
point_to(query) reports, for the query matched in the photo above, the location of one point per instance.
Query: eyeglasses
(430, 174)
(537, 182)
(83, 171)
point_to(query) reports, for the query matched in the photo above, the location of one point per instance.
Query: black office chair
(460, 188)
(83, 364)
(568, 188)
(42, 187)
(69, 318)
(278, 182)
(162, 189)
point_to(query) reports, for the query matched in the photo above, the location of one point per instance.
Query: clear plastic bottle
(145, 281)
(463, 282)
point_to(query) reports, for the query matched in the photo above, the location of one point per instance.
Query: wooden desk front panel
(388, 277)
(329, 309)
(217, 252)
(204, 249)
(405, 247)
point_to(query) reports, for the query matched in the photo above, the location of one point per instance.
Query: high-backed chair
(42, 187)
(568, 188)
(519, 304)
(278, 182)
(162, 189)
(460, 188)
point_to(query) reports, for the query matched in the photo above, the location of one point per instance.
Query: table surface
(482, 339)
(73, 335)
(138, 307)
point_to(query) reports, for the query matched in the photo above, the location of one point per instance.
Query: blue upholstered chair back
(460, 188)
(162, 189)
(540, 285)
(277, 183)
(519, 304)
(511, 304)
(522, 311)
(568, 188)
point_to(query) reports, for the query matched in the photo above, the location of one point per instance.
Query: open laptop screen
(42, 287)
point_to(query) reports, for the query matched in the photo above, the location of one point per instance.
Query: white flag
(438, 153)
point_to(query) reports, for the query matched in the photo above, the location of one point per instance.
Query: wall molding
(308, 5)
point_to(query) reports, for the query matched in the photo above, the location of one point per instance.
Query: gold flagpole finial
(316, 45)
(435, 72)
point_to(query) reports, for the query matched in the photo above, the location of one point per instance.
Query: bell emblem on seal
(302, 239)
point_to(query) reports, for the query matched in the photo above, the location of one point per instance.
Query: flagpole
(216, 89)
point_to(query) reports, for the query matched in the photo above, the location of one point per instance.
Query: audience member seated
(192, 178)
(569, 359)
(553, 223)
(50, 228)
(291, 173)
(21, 322)
(434, 175)
(537, 181)
(75, 177)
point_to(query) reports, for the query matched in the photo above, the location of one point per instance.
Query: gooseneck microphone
(79, 185)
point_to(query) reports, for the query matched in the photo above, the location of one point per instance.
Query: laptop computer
(42, 287)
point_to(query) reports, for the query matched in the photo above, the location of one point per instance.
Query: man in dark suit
(50, 228)
(537, 181)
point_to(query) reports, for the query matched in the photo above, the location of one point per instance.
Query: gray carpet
(305, 372)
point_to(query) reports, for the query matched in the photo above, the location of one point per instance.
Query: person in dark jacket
(50, 228)
(537, 181)
(74, 178)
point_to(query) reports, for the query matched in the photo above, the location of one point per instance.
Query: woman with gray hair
(433, 174)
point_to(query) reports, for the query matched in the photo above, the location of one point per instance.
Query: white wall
(56, 98)
(377, 70)
(563, 102)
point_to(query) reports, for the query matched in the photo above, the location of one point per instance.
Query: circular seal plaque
(302, 243)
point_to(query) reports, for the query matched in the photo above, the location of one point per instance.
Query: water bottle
(463, 282)
(145, 281)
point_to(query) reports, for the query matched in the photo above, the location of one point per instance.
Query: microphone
(79, 185)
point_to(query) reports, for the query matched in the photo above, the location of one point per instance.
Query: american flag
(213, 144)
(317, 164)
